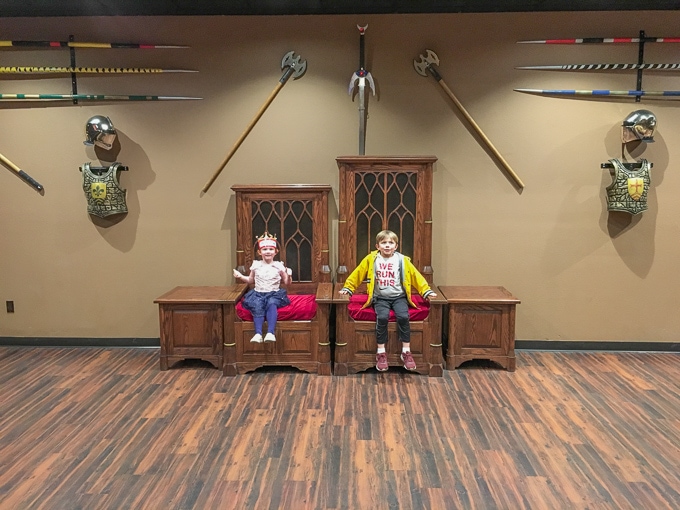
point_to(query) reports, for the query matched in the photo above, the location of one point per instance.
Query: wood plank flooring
(89, 428)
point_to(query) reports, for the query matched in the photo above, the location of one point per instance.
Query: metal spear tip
(425, 62)
(293, 62)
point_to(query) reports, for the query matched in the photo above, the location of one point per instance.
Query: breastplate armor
(104, 195)
(628, 190)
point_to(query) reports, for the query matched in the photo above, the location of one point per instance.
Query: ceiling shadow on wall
(138, 177)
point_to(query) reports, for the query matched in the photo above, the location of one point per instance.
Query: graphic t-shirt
(388, 276)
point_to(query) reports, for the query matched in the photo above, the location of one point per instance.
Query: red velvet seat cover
(368, 314)
(302, 307)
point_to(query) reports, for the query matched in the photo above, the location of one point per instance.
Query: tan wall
(581, 274)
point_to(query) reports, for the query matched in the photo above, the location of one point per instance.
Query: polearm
(605, 40)
(427, 63)
(360, 77)
(87, 70)
(90, 97)
(603, 67)
(23, 175)
(292, 66)
(671, 94)
(76, 44)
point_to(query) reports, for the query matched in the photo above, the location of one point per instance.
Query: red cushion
(302, 307)
(368, 314)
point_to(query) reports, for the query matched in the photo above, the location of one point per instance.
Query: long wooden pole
(481, 134)
(23, 175)
(243, 136)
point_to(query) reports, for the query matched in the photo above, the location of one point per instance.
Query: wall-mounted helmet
(99, 131)
(638, 126)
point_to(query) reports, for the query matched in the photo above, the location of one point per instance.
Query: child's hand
(431, 295)
(343, 291)
(237, 274)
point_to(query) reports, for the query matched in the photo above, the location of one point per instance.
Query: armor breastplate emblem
(629, 188)
(104, 195)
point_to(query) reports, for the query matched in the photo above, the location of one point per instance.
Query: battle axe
(427, 63)
(292, 66)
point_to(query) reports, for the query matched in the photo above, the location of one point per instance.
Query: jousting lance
(427, 63)
(23, 175)
(76, 44)
(604, 67)
(360, 77)
(89, 97)
(654, 94)
(292, 66)
(605, 40)
(87, 70)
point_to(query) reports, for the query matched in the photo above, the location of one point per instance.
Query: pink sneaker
(381, 361)
(407, 358)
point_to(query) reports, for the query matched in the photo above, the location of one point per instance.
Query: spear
(605, 40)
(75, 44)
(603, 67)
(674, 94)
(87, 97)
(88, 70)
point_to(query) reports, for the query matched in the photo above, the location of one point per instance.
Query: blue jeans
(382, 307)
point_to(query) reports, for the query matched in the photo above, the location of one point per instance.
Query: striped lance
(604, 67)
(89, 97)
(605, 40)
(87, 70)
(75, 44)
(672, 94)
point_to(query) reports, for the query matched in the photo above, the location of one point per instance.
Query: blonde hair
(386, 234)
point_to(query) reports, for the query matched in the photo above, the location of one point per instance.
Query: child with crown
(264, 300)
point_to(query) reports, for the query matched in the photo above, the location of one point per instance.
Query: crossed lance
(427, 63)
(292, 66)
(23, 175)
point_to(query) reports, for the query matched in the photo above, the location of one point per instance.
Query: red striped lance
(87, 70)
(605, 40)
(76, 44)
(604, 67)
(89, 97)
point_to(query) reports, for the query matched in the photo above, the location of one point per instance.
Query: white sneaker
(269, 337)
(257, 339)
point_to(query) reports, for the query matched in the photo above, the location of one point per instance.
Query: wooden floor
(85, 428)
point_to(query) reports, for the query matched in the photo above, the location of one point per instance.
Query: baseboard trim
(528, 345)
(14, 341)
(568, 345)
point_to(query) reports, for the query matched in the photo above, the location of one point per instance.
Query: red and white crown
(266, 241)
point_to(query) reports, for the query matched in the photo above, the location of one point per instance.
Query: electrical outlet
(10, 306)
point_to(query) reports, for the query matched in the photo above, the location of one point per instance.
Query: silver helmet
(99, 131)
(638, 126)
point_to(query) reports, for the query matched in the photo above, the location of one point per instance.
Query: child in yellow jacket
(391, 277)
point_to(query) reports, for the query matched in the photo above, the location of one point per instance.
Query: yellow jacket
(410, 278)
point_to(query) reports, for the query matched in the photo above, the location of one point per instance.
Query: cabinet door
(194, 330)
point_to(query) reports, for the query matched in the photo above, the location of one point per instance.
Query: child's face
(386, 247)
(267, 253)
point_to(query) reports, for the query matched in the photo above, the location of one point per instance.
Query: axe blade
(421, 66)
(293, 62)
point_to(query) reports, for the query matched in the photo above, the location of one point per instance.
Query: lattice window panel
(292, 223)
(385, 201)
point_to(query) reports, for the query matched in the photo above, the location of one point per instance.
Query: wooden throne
(298, 215)
(379, 193)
